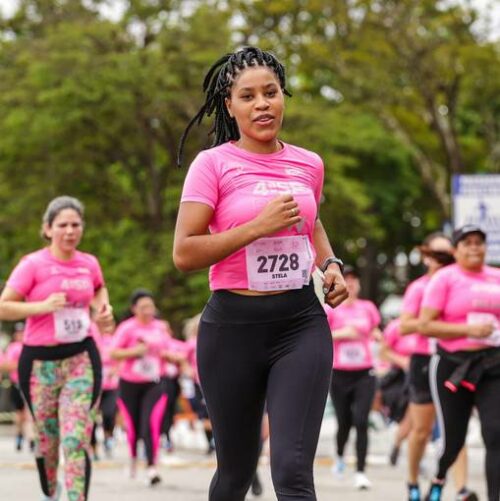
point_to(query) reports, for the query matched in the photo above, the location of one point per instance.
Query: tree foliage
(395, 96)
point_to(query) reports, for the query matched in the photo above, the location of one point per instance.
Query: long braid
(217, 86)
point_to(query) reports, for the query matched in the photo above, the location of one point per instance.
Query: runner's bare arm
(333, 282)
(13, 307)
(429, 326)
(408, 323)
(388, 354)
(347, 332)
(195, 248)
(103, 310)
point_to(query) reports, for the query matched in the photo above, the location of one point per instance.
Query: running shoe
(153, 477)
(32, 445)
(413, 493)
(394, 456)
(56, 495)
(338, 469)
(108, 448)
(466, 495)
(361, 481)
(256, 487)
(19, 441)
(434, 493)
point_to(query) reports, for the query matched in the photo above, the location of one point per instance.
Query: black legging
(453, 412)
(143, 406)
(172, 389)
(352, 395)
(107, 408)
(256, 348)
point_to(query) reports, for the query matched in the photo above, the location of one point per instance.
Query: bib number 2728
(278, 263)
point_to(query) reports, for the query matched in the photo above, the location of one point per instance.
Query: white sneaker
(338, 469)
(361, 481)
(152, 476)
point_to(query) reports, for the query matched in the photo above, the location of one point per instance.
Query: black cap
(139, 294)
(461, 233)
(350, 270)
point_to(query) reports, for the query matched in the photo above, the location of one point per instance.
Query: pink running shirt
(412, 302)
(353, 354)
(12, 354)
(40, 274)
(238, 184)
(458, 294)
(176, 346)
(401, 345)
(154, 334)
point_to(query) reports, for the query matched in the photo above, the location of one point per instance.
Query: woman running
(461, 307)
(22, 419)
(171, 372)
(196, 399)
(397, 349)
(110, 377)
(59, 367)
(354, 325)
(141, 343)
(250, 211)
(437, 251)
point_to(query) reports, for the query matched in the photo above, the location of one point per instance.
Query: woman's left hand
(104, 318)
(334, 286)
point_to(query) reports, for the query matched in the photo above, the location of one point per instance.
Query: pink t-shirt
(40, 274)
(238, 184)
(353, 354)
(402, 345)
(12, 354)
(110, 366)
(154, 334)
(412, 302)
(176, 346)
(461, 297)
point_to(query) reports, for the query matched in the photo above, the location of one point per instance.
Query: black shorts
(420, 390)
(16, 398)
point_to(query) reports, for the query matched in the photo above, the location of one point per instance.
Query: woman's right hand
(141, 349)
(278, 214)
(56, 301)
(480, 331)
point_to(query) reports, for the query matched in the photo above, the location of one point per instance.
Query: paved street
(187, 472)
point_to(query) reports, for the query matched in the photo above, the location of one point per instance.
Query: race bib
(147, 367)
(187, 387)
(351, 353)
(485, 318)
(279, 263)
(71, 324)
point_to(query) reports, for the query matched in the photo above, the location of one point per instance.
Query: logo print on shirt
(265, 188)
(78, 284)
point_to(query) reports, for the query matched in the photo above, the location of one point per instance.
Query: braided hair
(217, 87)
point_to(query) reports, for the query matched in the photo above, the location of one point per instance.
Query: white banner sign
(476, 200)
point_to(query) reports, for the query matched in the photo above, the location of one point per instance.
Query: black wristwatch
(329, 260)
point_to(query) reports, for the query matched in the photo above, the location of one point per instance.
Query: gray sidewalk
(187, 472)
